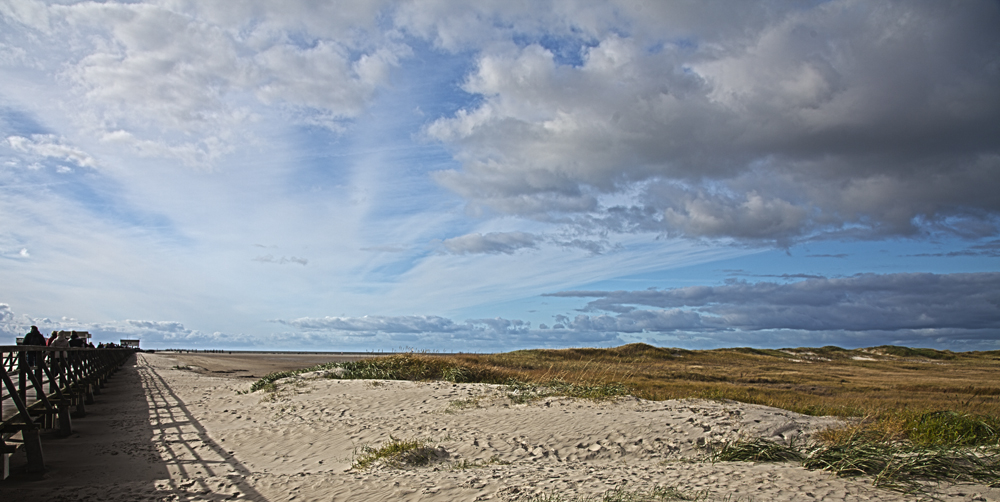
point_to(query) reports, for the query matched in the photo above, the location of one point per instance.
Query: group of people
(57, 339)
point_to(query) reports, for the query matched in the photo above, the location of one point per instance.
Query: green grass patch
(418, 367)
(756, 450)
(462, 404)
(905, 467)
(267, 382)
(895, 465)
(909, 352)
(524, 392)
(395, 453)
(953, 428)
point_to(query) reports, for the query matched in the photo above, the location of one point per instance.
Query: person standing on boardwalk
(61, 341)
(34, 337)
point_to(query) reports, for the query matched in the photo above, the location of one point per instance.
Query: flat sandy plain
(172, 427)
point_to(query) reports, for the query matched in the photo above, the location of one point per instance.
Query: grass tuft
(895, 465)
(952, 428)
(395, 453)
(267, 382)
(756, 450)
(905, 467)
(418, 367)
(521, 392)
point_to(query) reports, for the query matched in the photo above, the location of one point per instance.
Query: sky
(485, 176)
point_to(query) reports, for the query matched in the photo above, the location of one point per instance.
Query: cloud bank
(844, 120)
(862, 310)
(959, 311)
(865, 302)
(798, 121)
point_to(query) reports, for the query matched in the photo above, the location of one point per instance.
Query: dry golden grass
(927, 416)
(877, 382)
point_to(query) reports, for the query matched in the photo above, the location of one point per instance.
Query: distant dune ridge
(166, 432)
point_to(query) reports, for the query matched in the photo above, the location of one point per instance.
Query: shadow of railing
(42, 389)
(187, 450)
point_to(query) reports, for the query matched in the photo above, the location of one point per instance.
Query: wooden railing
(45, 388)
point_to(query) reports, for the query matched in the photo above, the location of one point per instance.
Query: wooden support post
(81, 408)
(65, 422)
(33, 450)
(5, 451)
(88, 396)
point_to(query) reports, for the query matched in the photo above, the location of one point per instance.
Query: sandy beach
(165, 431)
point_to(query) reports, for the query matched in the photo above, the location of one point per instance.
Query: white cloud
(184, 79)
(402, 331)
(281, 260)
(49, 146)
(493, 242)
(163, 326)
(152, 334)
(370, 324)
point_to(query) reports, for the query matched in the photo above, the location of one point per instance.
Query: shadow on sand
(139, 441)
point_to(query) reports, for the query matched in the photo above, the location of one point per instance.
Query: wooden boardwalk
(45, 388)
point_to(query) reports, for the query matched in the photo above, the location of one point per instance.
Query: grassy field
(823, 381)
(922, 416)
(895, 390)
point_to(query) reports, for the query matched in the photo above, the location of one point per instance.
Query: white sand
(192, 437)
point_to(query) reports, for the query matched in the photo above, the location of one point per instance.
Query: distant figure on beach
(76, 341)
(34, 337)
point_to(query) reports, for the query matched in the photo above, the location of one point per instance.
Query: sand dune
(163, 433)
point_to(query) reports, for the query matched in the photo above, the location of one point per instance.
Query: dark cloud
(843, 119)
(865, 302)
(989, 249)
(959, 311)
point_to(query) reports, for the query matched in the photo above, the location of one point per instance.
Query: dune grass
(394, 453)
(920, 415)
(897, 390)
(896, 465)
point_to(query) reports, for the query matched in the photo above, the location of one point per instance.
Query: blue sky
(492, 176)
